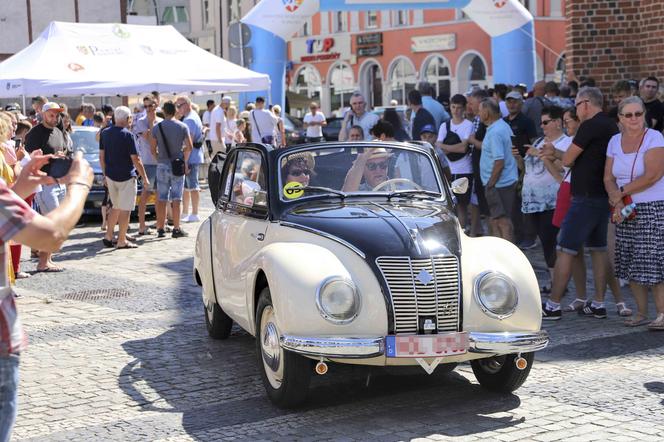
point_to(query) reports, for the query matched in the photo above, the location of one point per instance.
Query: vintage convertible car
(351, 253)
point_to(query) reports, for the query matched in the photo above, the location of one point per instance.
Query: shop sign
(312, 50)
(370, 51)
(369, 39)
(429, 43)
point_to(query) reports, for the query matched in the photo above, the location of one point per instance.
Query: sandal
(21, 275)
(623, 310)
(50, 270)
(657, 324)
(147, 231)
(575, 305)
(129, 245)
(637, 321)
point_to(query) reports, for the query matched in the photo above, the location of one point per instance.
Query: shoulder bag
(177, 164)
(451, 138)
(267, 139)
(627, 199)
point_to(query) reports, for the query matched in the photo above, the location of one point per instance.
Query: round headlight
(338, 300)
(497, 294)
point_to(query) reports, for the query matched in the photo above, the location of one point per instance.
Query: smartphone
(59, 167)
(17, 143)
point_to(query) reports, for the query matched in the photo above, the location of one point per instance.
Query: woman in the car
(298, 168)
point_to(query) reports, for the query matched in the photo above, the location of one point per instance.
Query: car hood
(418, 229)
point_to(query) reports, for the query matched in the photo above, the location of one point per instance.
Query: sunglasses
(179, 105)
(630, 115)
(374, 166)
(151, 106)
(299, 172)
(545, 122)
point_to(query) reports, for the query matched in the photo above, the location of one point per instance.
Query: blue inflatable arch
(508, 22)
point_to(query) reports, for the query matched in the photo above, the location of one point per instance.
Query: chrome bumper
(357, 348)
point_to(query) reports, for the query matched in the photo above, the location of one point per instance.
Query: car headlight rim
(325, 311)
(488, 276)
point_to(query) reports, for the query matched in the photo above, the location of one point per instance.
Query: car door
(239, 228)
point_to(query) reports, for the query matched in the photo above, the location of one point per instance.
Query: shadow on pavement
(656, 387)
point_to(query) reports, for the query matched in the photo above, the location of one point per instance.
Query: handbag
(267, 139)
(451, 139)
(627, 199)
(177, 164)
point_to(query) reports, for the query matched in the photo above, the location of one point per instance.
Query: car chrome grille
(413, 298)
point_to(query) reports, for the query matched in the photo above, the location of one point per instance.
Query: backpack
(451, 139)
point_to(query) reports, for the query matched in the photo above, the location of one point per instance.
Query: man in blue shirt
(436, 109)
(498, 169)
(191, 186)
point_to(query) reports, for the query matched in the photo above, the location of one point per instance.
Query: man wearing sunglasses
(369, 170)
(586, 222)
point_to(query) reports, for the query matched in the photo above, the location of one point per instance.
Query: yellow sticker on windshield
(293, 190)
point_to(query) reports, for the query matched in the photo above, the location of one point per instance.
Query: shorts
(168, 186)
(464, 198)
(151, 172)
(191, 179)
(586, 222)
(50, 197)
(122, 193)
(217, 146)
(500, 200)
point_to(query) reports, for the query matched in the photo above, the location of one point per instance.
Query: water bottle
(627, 210)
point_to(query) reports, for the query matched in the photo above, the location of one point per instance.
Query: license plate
(418, 346)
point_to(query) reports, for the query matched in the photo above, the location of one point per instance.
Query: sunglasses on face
(179, 105)
(374, 166)
(545, 122)
(299, 172)
(630, 115)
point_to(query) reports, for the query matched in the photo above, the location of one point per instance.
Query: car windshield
(84, 140)
(344, 170)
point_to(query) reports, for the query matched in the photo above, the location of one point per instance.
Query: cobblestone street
(118, 351)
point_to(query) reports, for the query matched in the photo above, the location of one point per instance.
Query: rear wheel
(500, 374)
(217, 322)
(285, 374)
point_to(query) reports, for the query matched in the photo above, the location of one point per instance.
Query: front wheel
(217, 322)
(500, 374)
(285, 374)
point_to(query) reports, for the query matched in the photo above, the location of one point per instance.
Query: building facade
(384, 54)
(614, 40)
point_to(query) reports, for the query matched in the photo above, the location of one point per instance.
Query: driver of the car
(369, 169)
(298, 168)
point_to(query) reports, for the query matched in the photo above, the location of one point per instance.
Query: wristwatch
(622, 190)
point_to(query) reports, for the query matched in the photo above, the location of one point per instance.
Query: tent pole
(25, 111)
(269, 93)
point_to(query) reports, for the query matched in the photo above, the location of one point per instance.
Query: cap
(379, 152)
(428, 128)
(226, 99)
(52, 106)
(514, 95)
(13, 107)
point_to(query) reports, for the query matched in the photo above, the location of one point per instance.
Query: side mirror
(460, 186)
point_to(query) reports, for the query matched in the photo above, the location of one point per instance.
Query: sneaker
(161, 233)
(526, 244)
(589, 310)
(551, 315)
(192, 219)
(179, 233)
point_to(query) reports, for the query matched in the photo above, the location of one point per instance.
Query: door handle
(258, 236)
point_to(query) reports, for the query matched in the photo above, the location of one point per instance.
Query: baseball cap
(428, 128)
(13, 107)
(52, 106)
(514, 95)
(226, 99)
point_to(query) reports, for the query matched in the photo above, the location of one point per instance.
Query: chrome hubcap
(271, 351)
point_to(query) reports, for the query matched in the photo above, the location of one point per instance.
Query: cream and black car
(351, 253)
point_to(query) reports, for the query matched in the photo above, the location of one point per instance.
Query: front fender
(203, 261)
(294, 271)
(490, 253)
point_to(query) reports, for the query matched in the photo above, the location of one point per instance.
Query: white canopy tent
(117, 59)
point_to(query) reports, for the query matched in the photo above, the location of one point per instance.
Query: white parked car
(351, 253)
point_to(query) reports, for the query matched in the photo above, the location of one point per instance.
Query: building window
(233, 11)
(206, 13)
(175, 14)
(307, 82)
(402, 80)
(401, 17)
(306, 29)
(342, 85)
(477, 70)
(372, 19)
(556, 8)
(437, 73)
(340, 21)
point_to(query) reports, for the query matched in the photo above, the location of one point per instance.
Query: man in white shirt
(313, 123)
(263, 123)
(217, 129)
(358, 116)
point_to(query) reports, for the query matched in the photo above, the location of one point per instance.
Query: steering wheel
(394, 181)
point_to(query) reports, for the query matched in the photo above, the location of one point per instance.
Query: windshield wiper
(413, 193)
(325, 190)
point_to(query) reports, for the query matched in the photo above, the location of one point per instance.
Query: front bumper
(359, 348)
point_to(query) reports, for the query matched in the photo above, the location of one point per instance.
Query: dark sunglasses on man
(374, 166)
